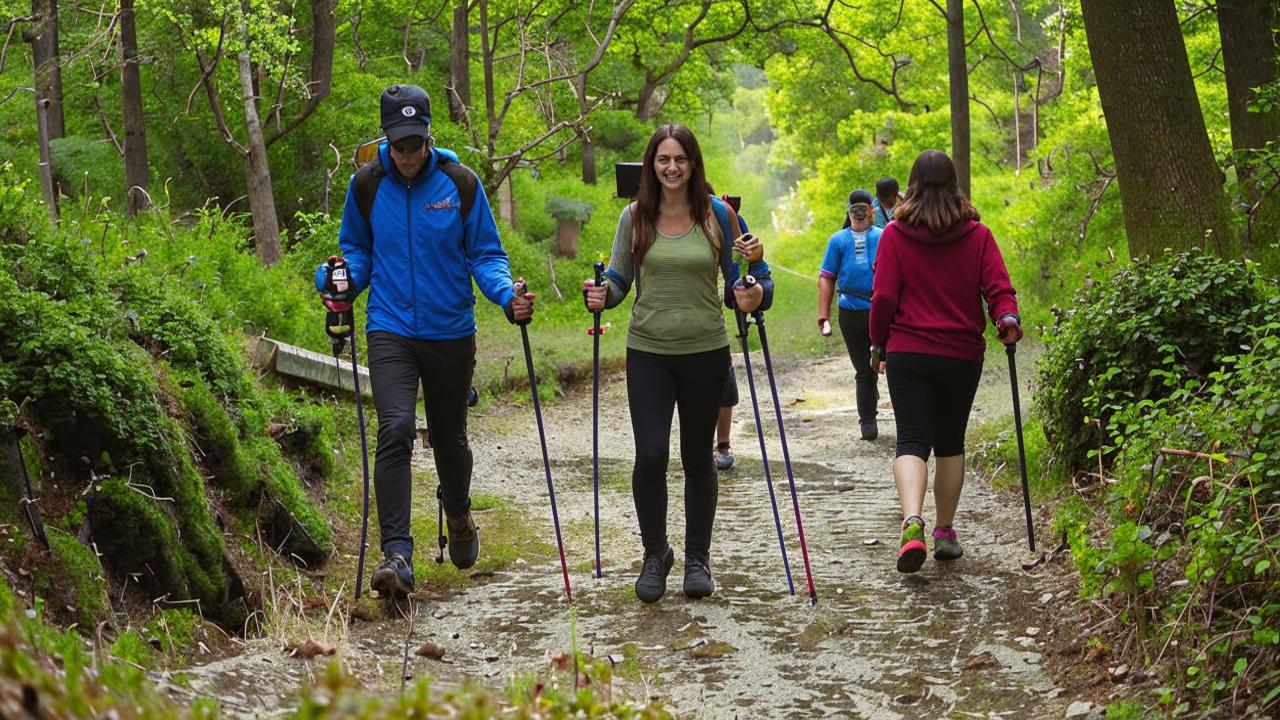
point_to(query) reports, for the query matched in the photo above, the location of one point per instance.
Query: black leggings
(656, 385)
(932, 396)
(857, 340)
(444, 367)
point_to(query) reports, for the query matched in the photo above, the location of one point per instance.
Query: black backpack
(370, 175)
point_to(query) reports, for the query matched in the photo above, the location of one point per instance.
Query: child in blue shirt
(847, 269)
(886, 202)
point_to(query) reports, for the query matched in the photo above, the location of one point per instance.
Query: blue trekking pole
(520, 288)
(595, 413)
(786, 454)
(764, 452)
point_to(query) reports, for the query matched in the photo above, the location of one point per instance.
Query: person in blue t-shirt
(886, 202)
(847, 269)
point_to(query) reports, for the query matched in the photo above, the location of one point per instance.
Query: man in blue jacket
(416, 229)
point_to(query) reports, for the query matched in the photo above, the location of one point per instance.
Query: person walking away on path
(416, 252)
(886, 202)
(936, 265)
(724, 422)
(847, 269)
(674, 243)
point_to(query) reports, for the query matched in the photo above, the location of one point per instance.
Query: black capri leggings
(932, 396)
(656, 386)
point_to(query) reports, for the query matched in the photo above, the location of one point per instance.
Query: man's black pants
(444, 367)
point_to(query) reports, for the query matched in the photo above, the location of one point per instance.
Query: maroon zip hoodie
(928, 290)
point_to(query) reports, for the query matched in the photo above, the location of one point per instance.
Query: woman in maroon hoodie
(935, 266)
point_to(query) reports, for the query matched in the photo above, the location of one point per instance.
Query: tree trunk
(959, 72)
(507, 202)
(1170, 185)
(135, 136)
(459, 90)
(46, 167)
(491, 112)
(47, 61)
(567, 234)
(644, 103)
(589, 174)
(1249, 58)
(257, 173)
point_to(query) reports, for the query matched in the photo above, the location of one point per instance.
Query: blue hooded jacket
(417, 255)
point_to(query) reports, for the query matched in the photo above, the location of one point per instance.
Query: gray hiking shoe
(698, 582)
(652, 583)
(945, 544)
(464, 541)
(394, 577)
(724, 458)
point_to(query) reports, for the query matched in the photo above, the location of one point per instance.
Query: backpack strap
(368, 177)
(731, 228)
(464, 178)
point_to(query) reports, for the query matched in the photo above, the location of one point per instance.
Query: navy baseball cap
(406, 112)
(859, 196)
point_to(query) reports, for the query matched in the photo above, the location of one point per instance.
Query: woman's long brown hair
(644, 219)
(933, 198)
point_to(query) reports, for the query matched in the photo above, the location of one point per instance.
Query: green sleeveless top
(678, 308)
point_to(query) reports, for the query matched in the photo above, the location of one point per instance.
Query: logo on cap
(408, 111)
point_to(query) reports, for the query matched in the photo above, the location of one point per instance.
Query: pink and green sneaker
(911, 551)
(945, 544)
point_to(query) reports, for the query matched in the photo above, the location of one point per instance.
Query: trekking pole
(764, 452)
(1011, 349)
(520, 288)
(340, 323)
(595, 414)
(29, 502)
(786, 454)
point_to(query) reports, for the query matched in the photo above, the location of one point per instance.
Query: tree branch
(994, 118)
(990, 38)
(8, 36)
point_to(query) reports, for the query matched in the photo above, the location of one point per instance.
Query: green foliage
(75, 566)
(1136, 338)
(89, 163)
(568, 209)
(620, 131)
(143, 538)
(1191, 452)
(336, 695)
(173, 326)
(217, 436)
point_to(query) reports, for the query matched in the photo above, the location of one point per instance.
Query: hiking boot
(945, 544)
(870, 431)
(652, 582)
(393, 578)
(464, 542)
(912, 552)
(697, 576)
(724, 458)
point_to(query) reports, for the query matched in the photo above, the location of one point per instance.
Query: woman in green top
(674, 238)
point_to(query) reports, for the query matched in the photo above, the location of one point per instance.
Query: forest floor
(967, 639)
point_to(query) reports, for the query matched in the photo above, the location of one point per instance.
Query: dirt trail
(877, 645)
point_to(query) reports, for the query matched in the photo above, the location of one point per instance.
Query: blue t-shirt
(879, 216)
(850, 258)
